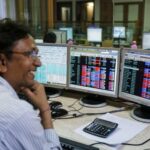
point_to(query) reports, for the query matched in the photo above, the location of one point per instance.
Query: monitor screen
(94, 34)
(69, 32)
(135, 77)
(53, 72)
(38, 40)
(119, 32)
(146, 41)
(94, 70)
(61, 36)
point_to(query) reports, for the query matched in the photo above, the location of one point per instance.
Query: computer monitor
(119, 32)
(53, 71)
(135, 82)
(61, 36)
(146, 40)
(69, 31)
(94, 70)
(94, 35)
(38, 40)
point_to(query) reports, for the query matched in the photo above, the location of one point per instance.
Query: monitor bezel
(101, 92)
(120, 37)
(143, 46)
(126, 96)
(54, 85)
(98, 40)
(67, 30)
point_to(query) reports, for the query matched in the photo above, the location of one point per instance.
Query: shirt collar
(8, 86)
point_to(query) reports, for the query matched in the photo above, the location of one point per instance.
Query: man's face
(21, 67)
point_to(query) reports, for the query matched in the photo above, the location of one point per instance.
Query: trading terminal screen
(69, 32)
(119, 32)
(94, 35)
(135, 77)
(53, 71)
(94, 70)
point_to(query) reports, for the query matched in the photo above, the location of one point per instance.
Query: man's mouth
(32, 73)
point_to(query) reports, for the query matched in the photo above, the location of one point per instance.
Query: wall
(97, 10)
(146, 27)
(126, 1)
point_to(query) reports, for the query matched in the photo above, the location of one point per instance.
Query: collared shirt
(20, 124)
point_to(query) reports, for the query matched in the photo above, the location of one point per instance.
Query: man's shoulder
(12, 107)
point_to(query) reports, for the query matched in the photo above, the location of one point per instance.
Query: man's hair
(10, 32)
(49, 37)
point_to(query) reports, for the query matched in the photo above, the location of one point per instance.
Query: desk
(65, 127)
(121, 44)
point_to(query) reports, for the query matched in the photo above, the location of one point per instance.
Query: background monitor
(94, 70)
(61, 36)
(38, 40)
(69, 31)
(119, 32)
(94, 35)
(53, 72)
(135, 81)
(146, 41)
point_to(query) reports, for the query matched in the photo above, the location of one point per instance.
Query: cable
(102, 143)
(74, 109)
(139, 144)
(73, 103)
(71, 106)
(83, 114)
(112, 111)
(70, 116)
(130, 144)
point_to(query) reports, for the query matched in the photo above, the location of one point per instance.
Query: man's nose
(37, 61)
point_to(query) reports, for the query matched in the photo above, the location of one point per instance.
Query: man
(50, 37)
(22, 127)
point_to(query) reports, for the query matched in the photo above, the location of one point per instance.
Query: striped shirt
(20, 125)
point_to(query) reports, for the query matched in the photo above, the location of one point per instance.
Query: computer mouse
(55, 105)
(58, 113)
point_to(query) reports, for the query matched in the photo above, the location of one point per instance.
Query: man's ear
(3, 62)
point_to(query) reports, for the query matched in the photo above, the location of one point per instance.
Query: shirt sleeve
(27, 133)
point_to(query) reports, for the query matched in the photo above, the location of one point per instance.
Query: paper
(125, 131)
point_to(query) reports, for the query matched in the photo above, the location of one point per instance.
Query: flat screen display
(94, 70)
(69, 32)
(135, 76)
(119, 32)
(146, 41)
(94, 34)
(53, 71)
(135, 82)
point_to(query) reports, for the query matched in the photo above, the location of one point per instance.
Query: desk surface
(65, 127)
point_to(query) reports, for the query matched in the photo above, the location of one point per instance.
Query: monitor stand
(93, 101)
(52, 92)
(141, 113)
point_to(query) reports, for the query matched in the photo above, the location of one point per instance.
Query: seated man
(50, 37)
(22, 127)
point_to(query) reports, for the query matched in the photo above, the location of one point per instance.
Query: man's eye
(29, 53)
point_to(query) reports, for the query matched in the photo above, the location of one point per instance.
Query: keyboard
(73, 145)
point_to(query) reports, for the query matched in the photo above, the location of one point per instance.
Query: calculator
(100, 127)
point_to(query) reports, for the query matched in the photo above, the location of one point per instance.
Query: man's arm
(27, 133)
(38, 98)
